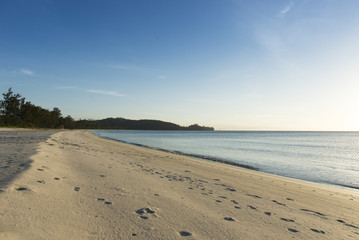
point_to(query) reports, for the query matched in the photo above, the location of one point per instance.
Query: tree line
(15, 111)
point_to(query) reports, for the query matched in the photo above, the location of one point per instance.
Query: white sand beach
(79, 186)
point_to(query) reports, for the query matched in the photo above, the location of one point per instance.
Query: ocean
(322, 157)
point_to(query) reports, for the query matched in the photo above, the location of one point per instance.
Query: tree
(16, 112)
(10, 108)
(68, 122)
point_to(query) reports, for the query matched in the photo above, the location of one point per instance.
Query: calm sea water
(324, 157)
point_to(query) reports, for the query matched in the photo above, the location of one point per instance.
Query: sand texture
(79, 186)
(16, 148)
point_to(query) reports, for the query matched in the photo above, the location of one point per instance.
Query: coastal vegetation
(15, 111)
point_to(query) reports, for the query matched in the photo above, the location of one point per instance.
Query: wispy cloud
(25, 71)
(95, 91)
(104, 92)
(285, 10)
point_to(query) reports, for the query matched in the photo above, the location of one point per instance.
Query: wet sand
(79, 186)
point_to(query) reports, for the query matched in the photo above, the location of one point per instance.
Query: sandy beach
(16, 148)
(78, 186)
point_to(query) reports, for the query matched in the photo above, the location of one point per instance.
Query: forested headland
(15, 111)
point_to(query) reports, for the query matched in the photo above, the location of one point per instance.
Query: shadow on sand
(16, 148)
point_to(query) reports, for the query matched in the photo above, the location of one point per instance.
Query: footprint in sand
(144, 211)
(251, 207)
(185, 234)
(317, 231)
(231, 189)
(229, 219)
(311, 211)
(347, 224)
(40, 169)
(254, 196)
(275, 201)
(287, 220)
(22, 189)
(103, 200)
(220, 184)
(293, 230)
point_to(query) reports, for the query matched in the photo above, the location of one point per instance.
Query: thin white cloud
(96, 91)
(111, 93)
(284, 11)
(25, 71)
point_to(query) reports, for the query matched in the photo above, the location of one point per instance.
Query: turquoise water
(324, 157)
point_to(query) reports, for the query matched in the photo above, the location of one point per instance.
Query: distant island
(144, 124)
(15, 111)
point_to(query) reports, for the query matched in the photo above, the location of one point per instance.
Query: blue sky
(231, 64)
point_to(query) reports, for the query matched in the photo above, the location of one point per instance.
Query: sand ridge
(82, 187)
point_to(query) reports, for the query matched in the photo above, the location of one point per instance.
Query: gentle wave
(324, 157)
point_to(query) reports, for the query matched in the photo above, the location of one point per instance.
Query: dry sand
(82, 187)
(16, 148)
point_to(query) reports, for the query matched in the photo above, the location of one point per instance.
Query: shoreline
(228, 162)
(198, 156)
(80, 186)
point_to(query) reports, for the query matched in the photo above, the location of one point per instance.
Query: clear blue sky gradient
(231, 64)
